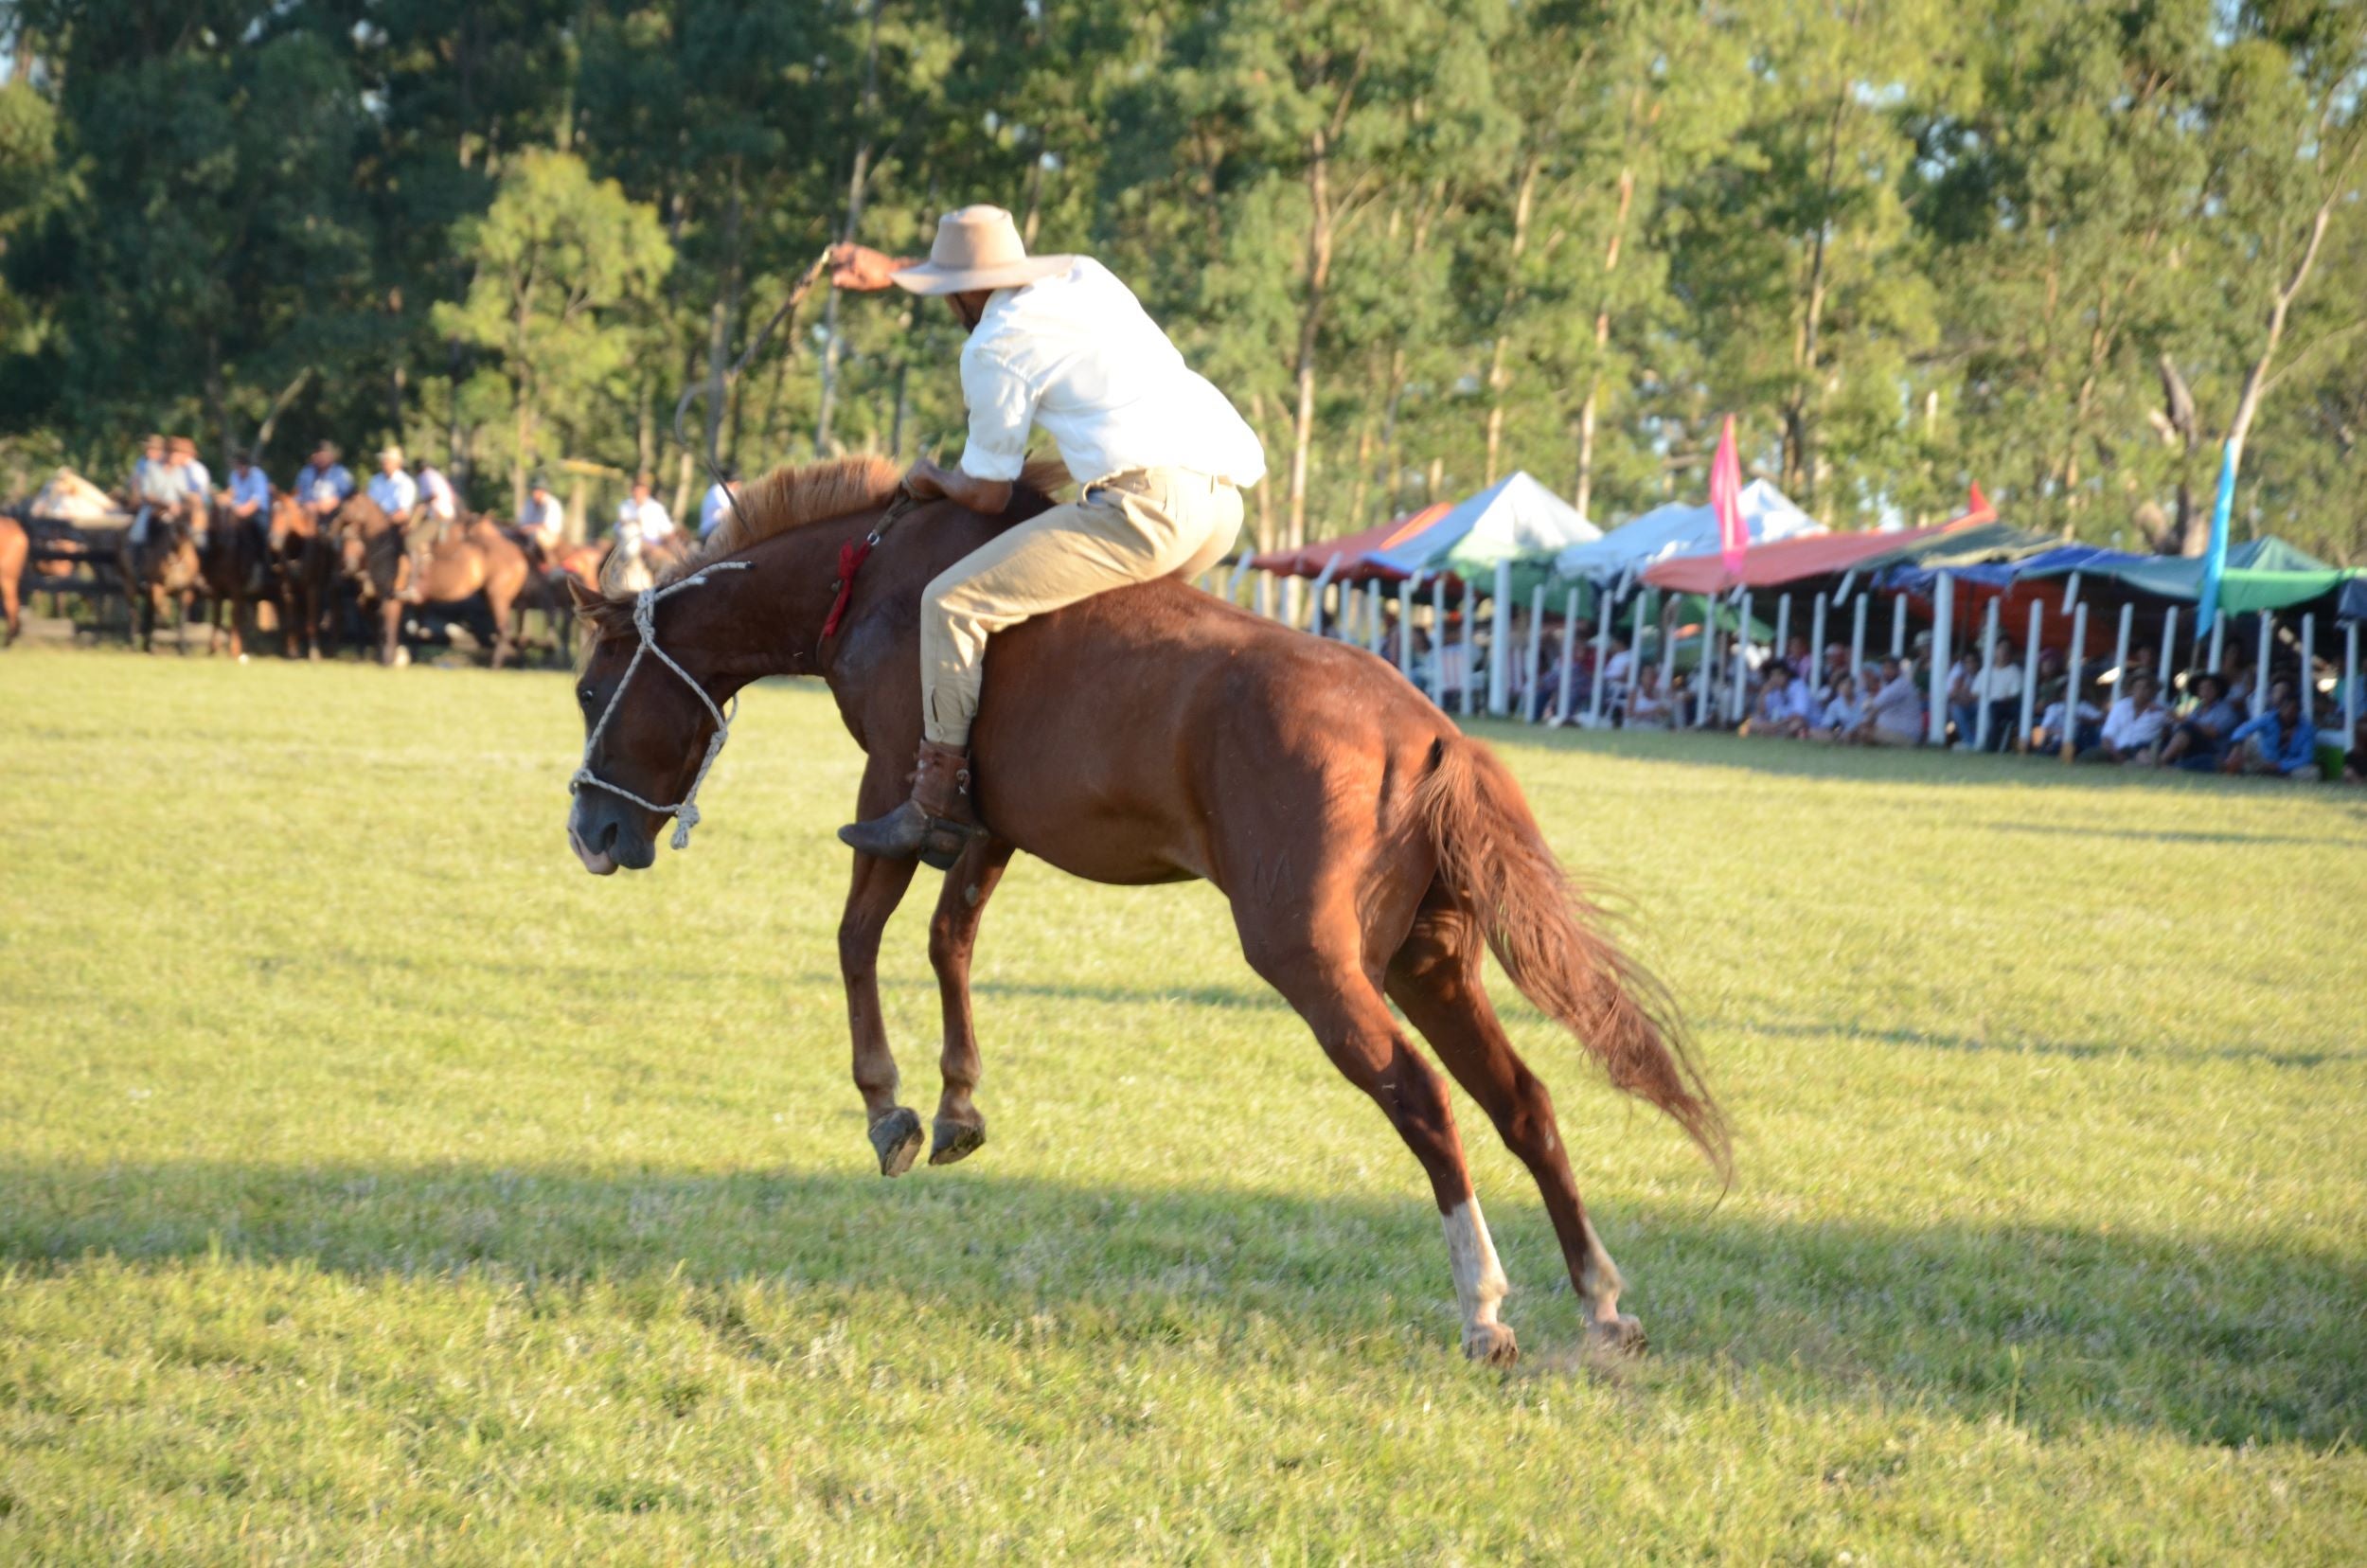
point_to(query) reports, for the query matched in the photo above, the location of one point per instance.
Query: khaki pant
(1131, 528)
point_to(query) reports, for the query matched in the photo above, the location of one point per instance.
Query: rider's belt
(1139, 482)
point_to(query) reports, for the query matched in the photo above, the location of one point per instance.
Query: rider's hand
(860, 267)
(925, 481)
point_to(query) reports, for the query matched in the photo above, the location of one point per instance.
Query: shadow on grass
(1877, 765)
(2053, 1327)
(2265, 1056)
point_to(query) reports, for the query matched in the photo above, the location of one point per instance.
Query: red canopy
(1790, 560)
(1351, 549)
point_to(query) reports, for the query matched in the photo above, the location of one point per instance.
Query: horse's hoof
(1619, 1336)
(951, 1140)
(897, 1137)
(1491, 1342)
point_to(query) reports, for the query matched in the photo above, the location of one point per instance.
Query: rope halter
(686, 810)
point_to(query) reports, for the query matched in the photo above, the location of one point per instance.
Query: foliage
(2063, 249)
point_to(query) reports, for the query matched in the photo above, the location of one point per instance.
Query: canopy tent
(1788, 560)
(2172, 577)
(1515, 519)
(1676, 530)
(1965, 543)
(1353, 552)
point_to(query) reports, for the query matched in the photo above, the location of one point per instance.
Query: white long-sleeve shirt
(1077, 355)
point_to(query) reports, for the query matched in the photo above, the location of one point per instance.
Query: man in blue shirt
(2281, 742)
(322, 484)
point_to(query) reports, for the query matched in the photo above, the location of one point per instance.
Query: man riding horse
(1162, 457)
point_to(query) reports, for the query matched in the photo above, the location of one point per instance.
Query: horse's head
(289, 519)
(645, 737)
(357, 525)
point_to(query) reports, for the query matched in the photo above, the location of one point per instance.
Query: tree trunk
(720, 318)
(1311, 321)
(833, 349)
(1498, 376)
(1583, 492)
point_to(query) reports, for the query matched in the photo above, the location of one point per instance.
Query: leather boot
(936, 823)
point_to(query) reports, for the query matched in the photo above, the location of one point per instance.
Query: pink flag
(1726, 500)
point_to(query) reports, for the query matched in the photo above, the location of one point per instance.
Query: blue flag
(2214, 558)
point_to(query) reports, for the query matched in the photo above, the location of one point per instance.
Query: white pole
(1988, 662)
(1233, 584)
(2030, 675)
(1265, 594)
(1405, 628)
(2218, 640)
(2350, 687)
(2071, 592)
(2309, 666)
(1782, 627)
(1499, 642)
(1713, 643)
(1899, 625)
(1570, 659)
(1438, 640)
(1739, 700)
(2071, 687)
(1816, 644)
(2120, 652)
(1856, 644)
(1470, 649)
(1376, 632)
(1315, 598)
(1669, 652)
(1536, 651)
(1602, 645)
(1943, 612)
(2169, 646)
(2260, 675)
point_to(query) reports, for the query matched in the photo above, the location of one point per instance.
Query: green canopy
(2244, 590)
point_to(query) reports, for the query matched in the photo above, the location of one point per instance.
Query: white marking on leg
(1478, 1279)
(1599, 1279)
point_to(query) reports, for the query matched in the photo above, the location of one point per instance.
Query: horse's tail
(1554, 941)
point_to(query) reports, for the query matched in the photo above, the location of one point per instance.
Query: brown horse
(1369, 850)
(231, 573)
(476, 572)
(15, 546)
(164, 567)
(304, 561)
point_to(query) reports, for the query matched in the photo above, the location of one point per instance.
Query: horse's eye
(585, 695)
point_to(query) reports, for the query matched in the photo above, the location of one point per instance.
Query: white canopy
(1678, 529)
(1515, 516)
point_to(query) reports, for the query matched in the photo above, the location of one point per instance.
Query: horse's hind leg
(1323, 975)
(1436, 978)
(960, 1127)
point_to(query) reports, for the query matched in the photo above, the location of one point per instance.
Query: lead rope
(684, 812)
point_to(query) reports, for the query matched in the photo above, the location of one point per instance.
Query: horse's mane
(794, 496)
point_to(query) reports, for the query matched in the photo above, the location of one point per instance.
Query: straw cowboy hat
(977, 247)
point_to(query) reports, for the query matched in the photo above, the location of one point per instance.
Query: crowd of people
(2199, 721)
(169, 481)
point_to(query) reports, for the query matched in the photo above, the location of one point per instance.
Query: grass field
(375, 1184)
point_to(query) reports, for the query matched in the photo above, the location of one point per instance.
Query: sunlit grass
(374, 1183)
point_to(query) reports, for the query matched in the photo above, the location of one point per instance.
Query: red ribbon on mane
(851, 556)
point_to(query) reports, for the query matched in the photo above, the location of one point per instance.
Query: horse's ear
(596, 610)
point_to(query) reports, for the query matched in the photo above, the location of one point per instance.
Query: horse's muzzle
(604, 841)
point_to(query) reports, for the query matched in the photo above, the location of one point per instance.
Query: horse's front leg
(390, 615)
(878, 888)
(960, 1127)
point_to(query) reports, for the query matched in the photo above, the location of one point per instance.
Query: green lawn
(373, 1182)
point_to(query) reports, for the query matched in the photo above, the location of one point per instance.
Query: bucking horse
(475, 572)
(1370, 851)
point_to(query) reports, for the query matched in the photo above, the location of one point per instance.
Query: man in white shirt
(1998, 689)
(2132, 726)
(1055, 341)
(545, 521)
(398, 495)
(1894, 712)
(642, 516)
(718, 501)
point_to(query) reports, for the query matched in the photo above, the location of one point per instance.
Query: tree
(560, 265)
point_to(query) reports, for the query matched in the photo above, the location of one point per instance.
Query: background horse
(477, 575)
(162, 567)
(304, 561)
(15, 546)
(1370, 851)
(231, 574)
